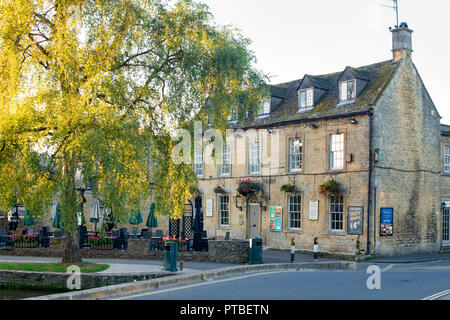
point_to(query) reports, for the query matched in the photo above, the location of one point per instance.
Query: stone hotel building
(372, 132)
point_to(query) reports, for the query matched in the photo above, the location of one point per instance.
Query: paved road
(401, 282)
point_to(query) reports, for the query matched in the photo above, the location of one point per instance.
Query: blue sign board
(386, 221)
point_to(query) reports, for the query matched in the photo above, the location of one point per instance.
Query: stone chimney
(402, 41)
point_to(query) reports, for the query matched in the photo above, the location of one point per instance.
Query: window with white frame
(198, 162)
(224, 210)
(254, 158)
(225, 166)
(336, 151)
(294, 211)
(336, 211)
(306, 98)
(447, 159)
(264, 108)
(348, 90)
(295, 154)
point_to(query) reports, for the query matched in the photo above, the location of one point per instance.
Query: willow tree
(91, 91)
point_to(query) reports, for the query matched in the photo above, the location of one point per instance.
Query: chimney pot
(402, 41)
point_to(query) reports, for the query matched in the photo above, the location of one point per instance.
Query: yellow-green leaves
(97, 86)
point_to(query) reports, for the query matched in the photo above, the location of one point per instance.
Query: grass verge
(86, 267)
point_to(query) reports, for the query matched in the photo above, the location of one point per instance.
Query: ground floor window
(336, 211)
(224, 210)
(294, 211)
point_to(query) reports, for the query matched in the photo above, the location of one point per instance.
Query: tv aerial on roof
(395, 7)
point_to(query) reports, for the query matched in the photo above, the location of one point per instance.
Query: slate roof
(378, 76)
(445, 129)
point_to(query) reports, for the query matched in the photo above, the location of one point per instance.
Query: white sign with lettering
(313, 210)
(209, 206)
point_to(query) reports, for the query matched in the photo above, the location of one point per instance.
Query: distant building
(374, 130)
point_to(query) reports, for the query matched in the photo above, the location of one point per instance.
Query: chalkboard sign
(355, 220)
(386, 221)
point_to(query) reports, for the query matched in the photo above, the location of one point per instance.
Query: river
(17, 294)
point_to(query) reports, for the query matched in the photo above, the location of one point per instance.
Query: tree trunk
(69, 208)
(71, 250)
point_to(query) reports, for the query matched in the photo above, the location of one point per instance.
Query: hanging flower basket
(219, 189)
(247, 187)
(329, 188)
(288, 188)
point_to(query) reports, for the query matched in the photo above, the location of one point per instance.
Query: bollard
(292, 250)
(316, 248)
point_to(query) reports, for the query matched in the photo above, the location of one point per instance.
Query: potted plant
(219, 189)
(287, 188)
(247, 187)
(329, 188)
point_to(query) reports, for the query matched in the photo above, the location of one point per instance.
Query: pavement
(270, 256)
(413, 258)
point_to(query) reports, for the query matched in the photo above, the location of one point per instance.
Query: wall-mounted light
(269, 130)
(313, 125)
(353, 121)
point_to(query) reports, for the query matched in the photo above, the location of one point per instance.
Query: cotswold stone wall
(219, 251)
(353, 179)
(58, 281)
(407, 176)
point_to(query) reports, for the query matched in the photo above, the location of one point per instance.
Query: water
(17, 294)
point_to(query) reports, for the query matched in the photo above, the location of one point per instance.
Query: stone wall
(275, 173)
(407, 175)
(58, 281)
(219, 252)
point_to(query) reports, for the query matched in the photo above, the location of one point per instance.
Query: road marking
(438, 295)
(208, 282)
(388, 267)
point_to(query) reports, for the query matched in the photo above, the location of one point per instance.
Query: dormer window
(264, 108)
(348, 90)
(306, 98)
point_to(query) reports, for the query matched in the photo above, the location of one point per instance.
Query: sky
(291, 38)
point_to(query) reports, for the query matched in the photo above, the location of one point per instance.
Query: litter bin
(170, 256)
(255, 254)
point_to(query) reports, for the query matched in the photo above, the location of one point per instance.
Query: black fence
(25, 243)
(105, 246)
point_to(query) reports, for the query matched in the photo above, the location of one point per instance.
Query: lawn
(86, 267)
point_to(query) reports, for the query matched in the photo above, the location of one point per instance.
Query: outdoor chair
(121, 242)
(4, 238)
(47, 231)
(145, 234)
(158, 234)
(156, 240)
(44, 241)
(84, 236)
(133, 234)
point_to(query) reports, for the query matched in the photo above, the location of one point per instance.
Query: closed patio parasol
(57, 221)
(28, 219)
(95, 213)
(136, 217)
(152, 221)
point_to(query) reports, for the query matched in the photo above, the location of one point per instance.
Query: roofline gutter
(275, 124)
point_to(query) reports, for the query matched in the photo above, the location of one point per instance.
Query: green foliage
(329, 188)
(287, 188)
(94, 89)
